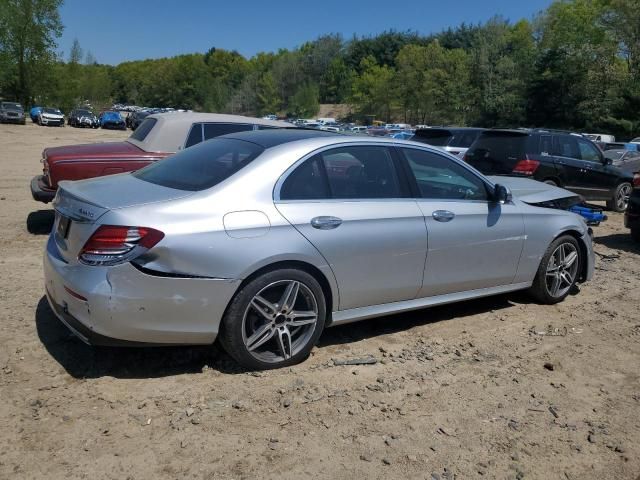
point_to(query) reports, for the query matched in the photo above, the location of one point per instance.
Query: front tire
(274, 320)
(558, 271)
(620, 198)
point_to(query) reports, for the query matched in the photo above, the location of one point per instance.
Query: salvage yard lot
(500, 387)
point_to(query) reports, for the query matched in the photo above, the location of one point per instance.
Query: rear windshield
(143, 130)
(201, 166)
(437, 138)
(499, 146)
(447, 138)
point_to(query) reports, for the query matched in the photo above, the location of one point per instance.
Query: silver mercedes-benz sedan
(262, 239)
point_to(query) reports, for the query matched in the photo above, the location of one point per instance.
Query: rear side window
(361, 172)
(546, 144)
(212, 130)
(195, 135)
(143, 130)
(202, 166)
(566, 146)
(307, 182)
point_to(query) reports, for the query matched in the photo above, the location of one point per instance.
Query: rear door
(474, 243)
(353, 205)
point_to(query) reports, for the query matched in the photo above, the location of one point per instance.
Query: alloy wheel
(622, 198)
(562, 269)
(279, 321)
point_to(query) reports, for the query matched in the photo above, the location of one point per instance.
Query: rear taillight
(636, 180)
(113, 244)
(526, 167)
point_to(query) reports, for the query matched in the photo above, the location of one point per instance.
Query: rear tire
(265, 328)
(558, 271)
(551, 182)
(620, 199)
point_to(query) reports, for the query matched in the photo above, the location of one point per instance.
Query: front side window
(202, 166)
(588, 152)
(440, 178)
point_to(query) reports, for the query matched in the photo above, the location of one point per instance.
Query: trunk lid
(80, 205)
(114, 150)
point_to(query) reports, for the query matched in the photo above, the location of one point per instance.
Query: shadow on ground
(619, 241)
(40, 222)
(84, 361)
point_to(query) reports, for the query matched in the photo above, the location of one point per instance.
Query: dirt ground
(495, 388)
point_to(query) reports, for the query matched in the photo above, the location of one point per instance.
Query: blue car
(112, 120)
(403, 135)
(34, 113)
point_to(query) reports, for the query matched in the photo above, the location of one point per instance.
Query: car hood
(531, 191)
(52, 115)
(119, 191)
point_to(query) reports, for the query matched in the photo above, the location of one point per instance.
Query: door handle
(326, 223)
(443, 215)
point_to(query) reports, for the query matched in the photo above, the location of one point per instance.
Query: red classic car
(157, 136)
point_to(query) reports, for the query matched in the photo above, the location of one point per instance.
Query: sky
(116, 30)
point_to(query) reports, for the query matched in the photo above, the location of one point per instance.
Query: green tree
(373, 90)
(28, 41)
(304, 103)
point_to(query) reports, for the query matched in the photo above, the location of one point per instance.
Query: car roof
(274, 137)
(171, 129)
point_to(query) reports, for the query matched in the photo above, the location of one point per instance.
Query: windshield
(83, 112)
(52, 110)
(614, 154)
(202, 166)
(11, 106)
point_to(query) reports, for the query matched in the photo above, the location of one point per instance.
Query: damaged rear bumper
(123, 306)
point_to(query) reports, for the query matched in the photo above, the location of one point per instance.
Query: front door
(353, 206)
(474, 243)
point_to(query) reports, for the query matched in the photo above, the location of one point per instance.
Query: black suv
(564, 159)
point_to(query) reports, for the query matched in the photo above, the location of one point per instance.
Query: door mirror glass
(501, 194)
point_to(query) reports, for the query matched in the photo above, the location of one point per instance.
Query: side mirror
(607, 161)
(501, 194)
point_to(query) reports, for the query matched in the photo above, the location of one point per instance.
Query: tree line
(576, 65)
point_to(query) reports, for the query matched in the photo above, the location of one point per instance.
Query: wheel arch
(584, 267)
(328, 289)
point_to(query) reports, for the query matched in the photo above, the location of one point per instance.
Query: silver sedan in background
(262, 239)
